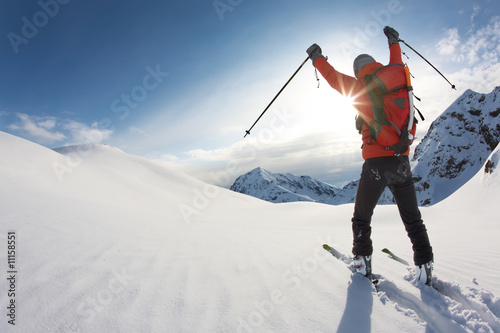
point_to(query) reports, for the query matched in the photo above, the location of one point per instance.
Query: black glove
(392, 35)
(314, 52)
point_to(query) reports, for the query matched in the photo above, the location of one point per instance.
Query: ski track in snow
(479, 303)
(446, 307)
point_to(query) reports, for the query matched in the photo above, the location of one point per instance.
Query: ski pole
(421, 56)
(290, 79)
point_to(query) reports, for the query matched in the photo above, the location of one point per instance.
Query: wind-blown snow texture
(109, 242)
(454, 149)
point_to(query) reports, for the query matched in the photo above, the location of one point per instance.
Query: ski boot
(424, 273)
(363, 265)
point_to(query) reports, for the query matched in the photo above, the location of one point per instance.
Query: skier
(381, 167)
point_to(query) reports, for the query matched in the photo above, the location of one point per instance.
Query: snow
(456, 145)
(109, 242)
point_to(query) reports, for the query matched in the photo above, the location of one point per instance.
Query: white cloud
(449, 43)
(51, 130)
(480, 45)
(468, 59)
(481, 53)
(323, 155)
(38, 128)
(475, 11)
(48, 124)
(82, 133)
(481, 78)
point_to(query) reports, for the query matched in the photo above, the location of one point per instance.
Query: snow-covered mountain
(110, 242)
(280, 188)
(454, 149)
(276, 187)
(456, 145)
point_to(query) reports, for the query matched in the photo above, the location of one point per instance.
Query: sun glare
(349, 101)
(320, 112)
(342, 112)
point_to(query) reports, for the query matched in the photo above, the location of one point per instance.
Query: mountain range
(455, 147)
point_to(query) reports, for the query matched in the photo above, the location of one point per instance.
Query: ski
(404, 262)
(395, 257)
(348, 261)
(345, 259)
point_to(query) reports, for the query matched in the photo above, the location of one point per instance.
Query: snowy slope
(109, 242)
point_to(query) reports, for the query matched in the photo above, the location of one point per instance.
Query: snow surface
(109, 242)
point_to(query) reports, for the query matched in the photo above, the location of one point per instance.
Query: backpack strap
(376, 101)
(367, 133)
(409, 88)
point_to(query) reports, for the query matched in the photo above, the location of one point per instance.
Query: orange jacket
(356, 89)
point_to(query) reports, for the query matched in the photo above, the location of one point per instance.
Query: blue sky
(181, 81)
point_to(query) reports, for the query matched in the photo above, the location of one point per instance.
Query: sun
(349, 100)
(346, 103)
(322, 112)
(343, 110)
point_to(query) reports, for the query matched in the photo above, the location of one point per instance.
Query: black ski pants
(394, 172)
